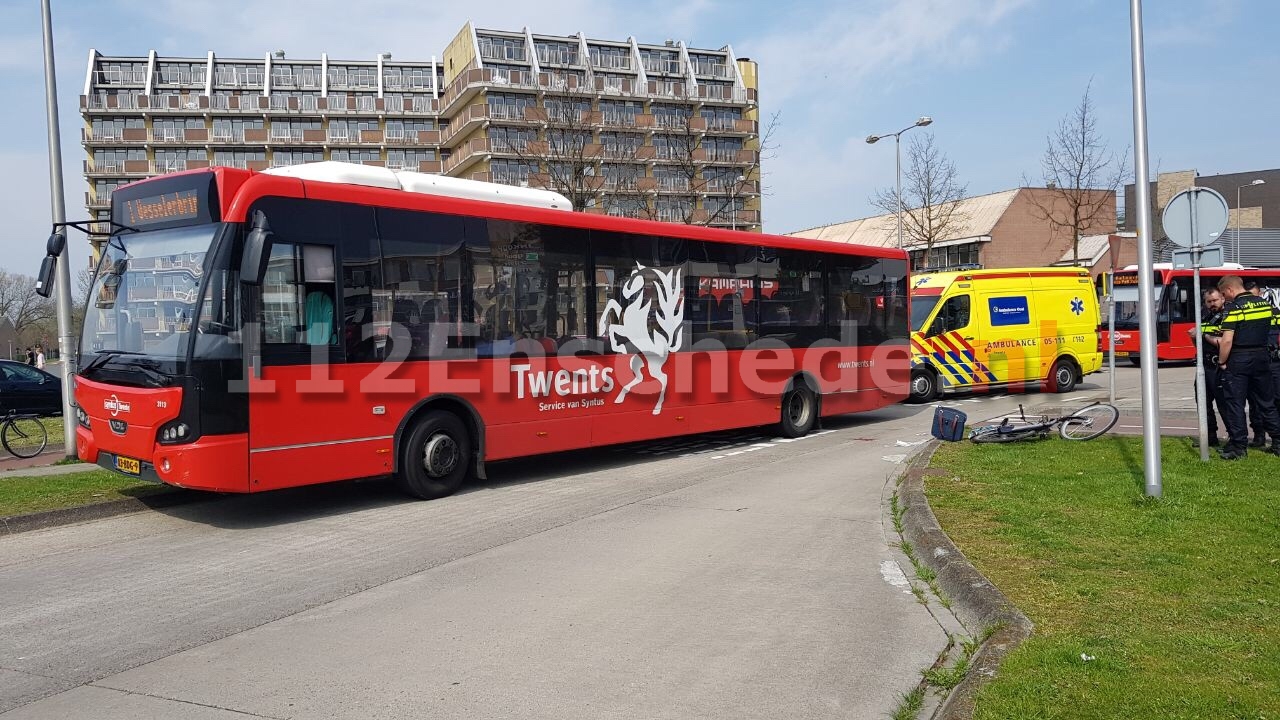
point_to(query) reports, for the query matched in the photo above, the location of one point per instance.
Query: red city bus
(250, 331)
(1175, 311)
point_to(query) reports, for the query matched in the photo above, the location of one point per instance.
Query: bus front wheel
(437, 456)
(799, 411)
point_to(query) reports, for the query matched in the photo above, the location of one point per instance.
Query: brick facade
(1023, 238)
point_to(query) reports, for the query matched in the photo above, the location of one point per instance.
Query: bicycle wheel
(1088, 423)
(24, 437)
(995, 436)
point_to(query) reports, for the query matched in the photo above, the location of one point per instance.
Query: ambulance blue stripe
(970, 377)
(981, 368)
(941, 360)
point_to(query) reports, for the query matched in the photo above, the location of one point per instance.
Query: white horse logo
(630, 324)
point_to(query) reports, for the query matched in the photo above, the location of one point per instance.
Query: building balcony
(115, 136)
(286, 136)
(372, 137)
(115, 103)
(672, 184)
(730, 186)
(466, 121)
(140, 168)
(98, 201)
(724, 156)
(120, 77)
(727, 218)
(467, 154)
(421, 137)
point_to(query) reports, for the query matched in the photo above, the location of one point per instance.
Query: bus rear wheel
(799, 411)
(437, 456)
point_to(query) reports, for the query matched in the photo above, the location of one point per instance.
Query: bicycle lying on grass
(23, 436)
(1086, 423)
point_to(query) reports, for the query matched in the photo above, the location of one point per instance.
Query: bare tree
(20, 305)
(563, 151)
(931, 195)
(680, 140)
(1082, 176)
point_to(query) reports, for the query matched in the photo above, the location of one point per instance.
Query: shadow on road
(282, 507)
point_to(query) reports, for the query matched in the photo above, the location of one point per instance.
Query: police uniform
(1212, 326)
(1247, 374)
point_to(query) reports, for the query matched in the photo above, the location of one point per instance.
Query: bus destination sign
(165, 202)
(183, 205)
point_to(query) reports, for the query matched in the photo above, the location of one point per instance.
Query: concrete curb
(975, 601)
(97, 511)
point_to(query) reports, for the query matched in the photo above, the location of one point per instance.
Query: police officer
(1255, 415)
(1245, 366)
(1210, 332)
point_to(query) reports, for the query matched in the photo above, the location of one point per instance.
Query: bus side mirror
(257, 251)
(53, 248)
(44, 281)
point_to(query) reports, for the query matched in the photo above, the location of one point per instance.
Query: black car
(25, 389)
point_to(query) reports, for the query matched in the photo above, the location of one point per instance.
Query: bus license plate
(1122, 353)
(128, 465)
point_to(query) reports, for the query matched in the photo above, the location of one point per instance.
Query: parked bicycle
(23, 436)
(1086, 423)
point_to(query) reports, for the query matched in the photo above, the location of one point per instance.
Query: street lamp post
(1259, 181)
(897, 139)
(733, 201)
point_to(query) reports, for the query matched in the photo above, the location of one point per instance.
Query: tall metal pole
(1238, 224)
(1111, 330)
(62, 285)
(1202, 398)
(897, 142)
(1146, 292)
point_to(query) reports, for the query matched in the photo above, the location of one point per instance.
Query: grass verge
(1143, 608)
(22, 494)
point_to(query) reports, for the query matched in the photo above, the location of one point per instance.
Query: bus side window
(298, 296)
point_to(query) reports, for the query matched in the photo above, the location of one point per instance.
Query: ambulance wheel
(437, 456)
(924, 385)
(799, 411)
(1062, 377)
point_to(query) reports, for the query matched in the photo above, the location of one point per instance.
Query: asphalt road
(726, 576)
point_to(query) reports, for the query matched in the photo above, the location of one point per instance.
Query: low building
(1252, 236)
(1003, 229)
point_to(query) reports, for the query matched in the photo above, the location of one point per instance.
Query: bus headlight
(175, 432)
(82, 417)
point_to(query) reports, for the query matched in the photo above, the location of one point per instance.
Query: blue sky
(996, 76)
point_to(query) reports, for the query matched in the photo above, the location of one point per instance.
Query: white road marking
(892, 573)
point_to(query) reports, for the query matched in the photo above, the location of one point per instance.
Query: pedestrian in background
(1245, 366)
(31, 356)
(39, 357)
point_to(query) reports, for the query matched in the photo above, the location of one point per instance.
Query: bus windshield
(146, 293)
(921, 307)
(1126, 299)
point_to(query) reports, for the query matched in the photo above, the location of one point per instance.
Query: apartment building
(660, 131)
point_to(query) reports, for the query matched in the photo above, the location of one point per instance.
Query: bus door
(310, 419)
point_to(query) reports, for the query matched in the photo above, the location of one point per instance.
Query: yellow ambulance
(976, 329)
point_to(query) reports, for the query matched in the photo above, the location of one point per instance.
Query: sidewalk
(42, 464)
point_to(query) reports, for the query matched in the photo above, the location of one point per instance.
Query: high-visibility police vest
(1250, 318)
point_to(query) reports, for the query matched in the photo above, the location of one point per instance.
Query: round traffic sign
(1208, 208)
